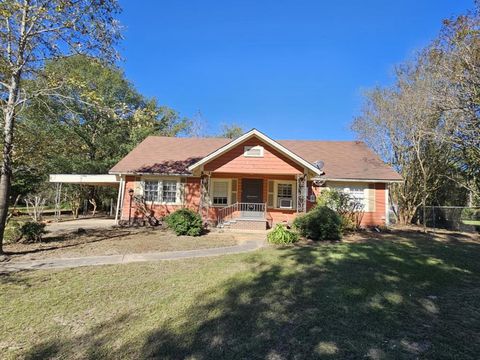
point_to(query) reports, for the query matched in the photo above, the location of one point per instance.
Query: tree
(428, 124)
(33, 32)
(231, 131)
(97, 119)
(455, 59)
(399, 124)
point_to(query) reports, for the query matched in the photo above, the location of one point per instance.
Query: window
(150, 190)
(169, 191)
(253, 151)
(285, 196)
(160, 191)
(356, 194)
(220, 192)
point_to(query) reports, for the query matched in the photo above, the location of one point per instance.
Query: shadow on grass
(74, 239)
(408, 297)
(92, 345)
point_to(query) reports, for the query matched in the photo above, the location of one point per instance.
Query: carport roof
(85, 179)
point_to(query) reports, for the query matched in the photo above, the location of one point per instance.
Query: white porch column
(121, 188)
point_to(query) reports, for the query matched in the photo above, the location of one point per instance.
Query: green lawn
(402, 296)
(471, 222)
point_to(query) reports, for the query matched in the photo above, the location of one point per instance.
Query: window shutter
(370, 199)
(271, 190)
(233, 196)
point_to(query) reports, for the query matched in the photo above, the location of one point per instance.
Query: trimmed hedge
(321, 223)
(185, 222)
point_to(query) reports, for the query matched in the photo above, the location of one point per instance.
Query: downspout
(387, 208)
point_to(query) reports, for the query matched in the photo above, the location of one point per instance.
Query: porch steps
(245, 224)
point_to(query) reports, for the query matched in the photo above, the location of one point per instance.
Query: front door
(252, 190)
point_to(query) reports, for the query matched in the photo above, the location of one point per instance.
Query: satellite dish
(318, 181)
(319, 164)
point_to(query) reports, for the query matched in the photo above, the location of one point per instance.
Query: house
(251, 182)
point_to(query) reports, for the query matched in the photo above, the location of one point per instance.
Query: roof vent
(253, 151)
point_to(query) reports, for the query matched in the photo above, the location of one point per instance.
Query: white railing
(242, 210)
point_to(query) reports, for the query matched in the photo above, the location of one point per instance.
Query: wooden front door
(252, 190)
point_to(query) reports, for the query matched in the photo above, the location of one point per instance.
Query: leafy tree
(427, 125)
(231, 131)
(31, 33)
(95, 120)
(98, 117)
(398, 123)
(455, 61)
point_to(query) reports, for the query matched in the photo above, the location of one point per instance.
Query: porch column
(121, 188)
(204, 196)
(58, 199)
(302, 193)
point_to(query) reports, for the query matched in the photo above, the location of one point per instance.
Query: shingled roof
(169, 155)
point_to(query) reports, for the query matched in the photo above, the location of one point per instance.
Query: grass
(112, 242)
(403, 295)
(471, 222)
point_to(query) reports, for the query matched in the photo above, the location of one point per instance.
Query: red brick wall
(373, 218)
(378, 216)
(192, 200)
(272, 161)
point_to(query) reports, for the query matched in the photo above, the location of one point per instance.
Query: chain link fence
(457, 218)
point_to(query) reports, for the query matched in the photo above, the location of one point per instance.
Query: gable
(271, 161)
(254, 133)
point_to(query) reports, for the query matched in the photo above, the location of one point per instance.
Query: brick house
(251, 182)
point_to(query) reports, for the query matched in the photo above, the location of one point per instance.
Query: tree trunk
(6, 170)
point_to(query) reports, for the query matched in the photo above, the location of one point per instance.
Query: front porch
(252, 202)
(243, 216)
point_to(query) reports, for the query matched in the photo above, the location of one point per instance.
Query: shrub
(185, 222)
(470, 214)
(12, 232)
(32, 231)
(321, 223)
(280, 235)
(350, 209)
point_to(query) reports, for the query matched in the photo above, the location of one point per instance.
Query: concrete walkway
(246, 246)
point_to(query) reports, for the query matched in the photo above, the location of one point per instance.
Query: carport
(87, 179)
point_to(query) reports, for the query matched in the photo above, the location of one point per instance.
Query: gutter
(365, 180)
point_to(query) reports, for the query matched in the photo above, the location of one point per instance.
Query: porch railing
(242, 210)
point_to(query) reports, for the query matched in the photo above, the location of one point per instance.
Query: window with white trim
(220, 192)
(164, 191)
(356, 194)
(169, 191)
(285, 196)
(150, 190)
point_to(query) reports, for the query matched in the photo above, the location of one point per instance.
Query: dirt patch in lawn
(115, 241)
(413, 232)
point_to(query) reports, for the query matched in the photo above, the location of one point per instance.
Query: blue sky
(292, 69)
